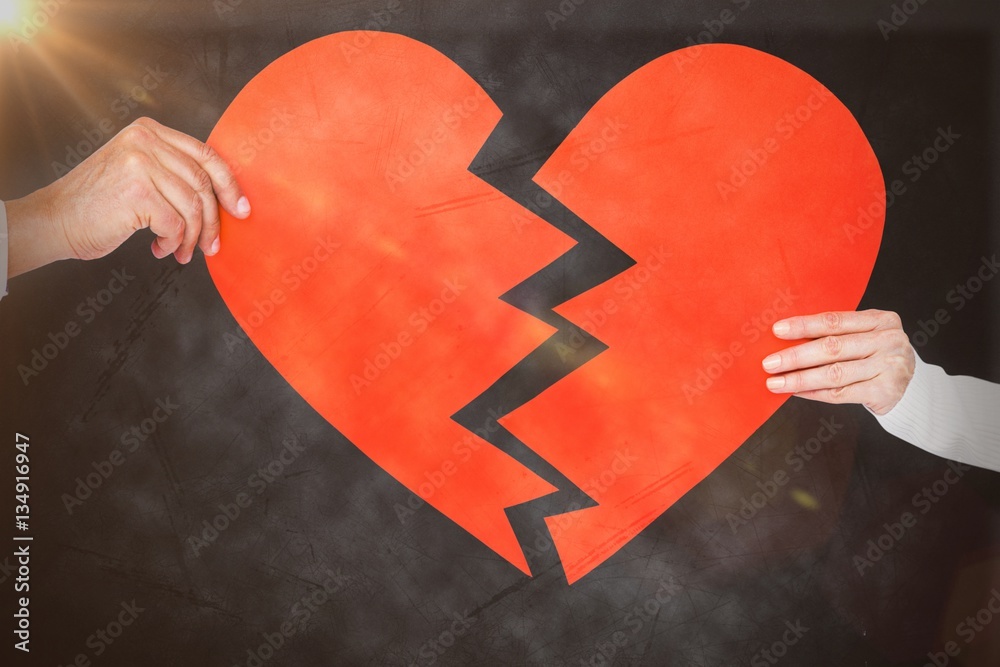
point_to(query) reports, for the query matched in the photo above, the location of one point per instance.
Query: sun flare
(11, 12)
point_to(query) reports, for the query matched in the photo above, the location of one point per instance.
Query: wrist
(35, 234)
(904, 384)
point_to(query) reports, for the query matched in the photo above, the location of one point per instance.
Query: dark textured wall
(692, 589)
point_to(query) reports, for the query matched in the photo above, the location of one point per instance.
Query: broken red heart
(751, 176)
(370, 270)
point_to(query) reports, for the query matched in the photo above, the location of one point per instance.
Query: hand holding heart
(147, 176)
(861, 358)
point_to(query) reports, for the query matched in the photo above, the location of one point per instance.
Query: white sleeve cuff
(3, 250)
(955, 417)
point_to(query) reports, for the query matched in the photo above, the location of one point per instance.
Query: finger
(834, 324)
(833, 376)
(187, 204)
(181, 164)
(158, 250)
(861, 393)
(224, 183)
(824, 351)
(166, 223)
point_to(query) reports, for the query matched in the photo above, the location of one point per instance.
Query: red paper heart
(751, 176)
(365, 144)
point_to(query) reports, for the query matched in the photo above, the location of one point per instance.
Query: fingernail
(243, 207)
(216, 244)
(781, 328)
(775, 383)
(772, 362)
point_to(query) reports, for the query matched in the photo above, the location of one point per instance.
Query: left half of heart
(370, 271)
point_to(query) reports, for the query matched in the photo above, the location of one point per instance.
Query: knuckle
(206, 153)
(835, 373)
(790, 357)
(138, 135)
(194, 206)
(833, 321)
(176, 226)
(832, 346)
(895, 339)
(900, 366)
(895, 363)
(203, 181)
(136, 162)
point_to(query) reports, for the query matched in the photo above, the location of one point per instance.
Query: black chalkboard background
(725, 595)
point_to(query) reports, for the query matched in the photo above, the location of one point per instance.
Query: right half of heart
(746, 192)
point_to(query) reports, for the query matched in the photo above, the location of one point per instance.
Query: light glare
(10, 13)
